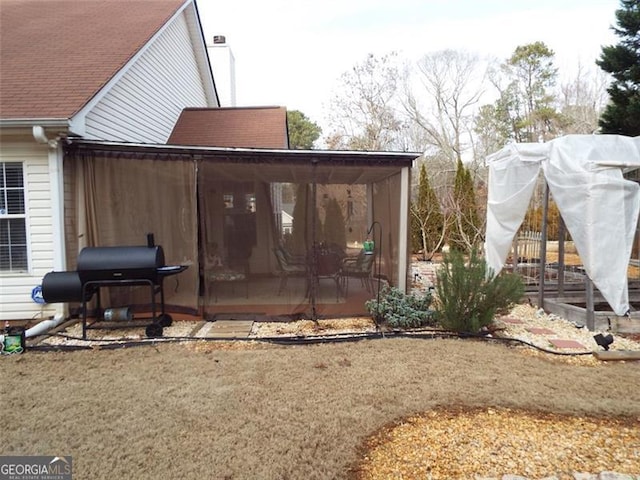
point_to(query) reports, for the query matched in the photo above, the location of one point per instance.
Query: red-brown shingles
(249, 127)
(55, 55)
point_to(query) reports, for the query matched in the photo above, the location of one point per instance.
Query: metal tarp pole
(314, 250)
(543, 243)
(561, 269)
(591, 316)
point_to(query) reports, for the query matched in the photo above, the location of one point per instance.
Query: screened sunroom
(263, 231)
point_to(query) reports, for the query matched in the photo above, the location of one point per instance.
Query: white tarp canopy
(599, 207)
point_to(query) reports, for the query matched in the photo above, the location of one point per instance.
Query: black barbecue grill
(114, 267)
(120, 263)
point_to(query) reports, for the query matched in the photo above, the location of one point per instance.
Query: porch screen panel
(124, 199)
(273, 242)
(240, 218)
(71, 208)
(386, 211)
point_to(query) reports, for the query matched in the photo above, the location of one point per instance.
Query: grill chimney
(219, 39)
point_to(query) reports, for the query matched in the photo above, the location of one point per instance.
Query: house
(115, 70)
(111, 129)
(287, 219)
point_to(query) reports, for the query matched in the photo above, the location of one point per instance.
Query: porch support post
(313, 290)
(403, 237)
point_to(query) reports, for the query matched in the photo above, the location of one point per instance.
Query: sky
(292, 52)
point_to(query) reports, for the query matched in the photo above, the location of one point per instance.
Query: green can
(13, 341)
(368, 246)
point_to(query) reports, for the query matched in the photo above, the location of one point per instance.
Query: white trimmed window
(13, 235)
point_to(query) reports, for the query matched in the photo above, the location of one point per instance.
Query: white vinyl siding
(15, 288)
(146, 102)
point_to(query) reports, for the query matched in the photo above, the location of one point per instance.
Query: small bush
(469, 295)
(400, 310)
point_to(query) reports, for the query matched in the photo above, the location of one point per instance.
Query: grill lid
(120, 263)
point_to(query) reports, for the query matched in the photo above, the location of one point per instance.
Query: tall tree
(493, 127)
(465, 224)
(335, 232)
(427, 222)
(364, 114)
(441, 97)
(582, 100)
(526, 103)
(533, 75)
(453, 82)
(622, 114)
(302, 131)
(304, 233)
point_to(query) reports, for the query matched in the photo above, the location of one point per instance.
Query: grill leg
(152, 288)
(84, 313)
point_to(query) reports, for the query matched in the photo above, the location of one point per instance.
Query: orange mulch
(491, 442)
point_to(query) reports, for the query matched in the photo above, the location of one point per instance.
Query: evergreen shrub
(469, 294)
(401, 310)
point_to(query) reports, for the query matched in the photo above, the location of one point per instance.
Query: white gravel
(562, 328)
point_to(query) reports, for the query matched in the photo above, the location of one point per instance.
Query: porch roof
(251, 127)
(280, 165)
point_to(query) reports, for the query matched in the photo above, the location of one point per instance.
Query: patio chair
(291, 258)
(360, 267)
(327, 263)
(288, 267)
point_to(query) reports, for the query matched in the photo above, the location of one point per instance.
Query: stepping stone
(541, 331)
(231, 328)
(513, 321)
(225, 329)
(566, 344)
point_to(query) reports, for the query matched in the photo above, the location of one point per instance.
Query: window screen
(13, 238)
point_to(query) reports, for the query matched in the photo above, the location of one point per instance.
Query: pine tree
(427, 221)
(464, 223)
(302, 231)
(302, 131)
(334, 225)
(622, 114)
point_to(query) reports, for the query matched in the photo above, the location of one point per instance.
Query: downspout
(57, 220)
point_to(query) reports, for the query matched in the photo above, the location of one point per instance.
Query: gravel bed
(309, 328)
(562, 328)
(529, 315)
(110, 336)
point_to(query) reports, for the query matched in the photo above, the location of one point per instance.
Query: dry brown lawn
(216, 411)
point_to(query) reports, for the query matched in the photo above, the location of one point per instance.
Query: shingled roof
(55, 55)
(247, 127)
